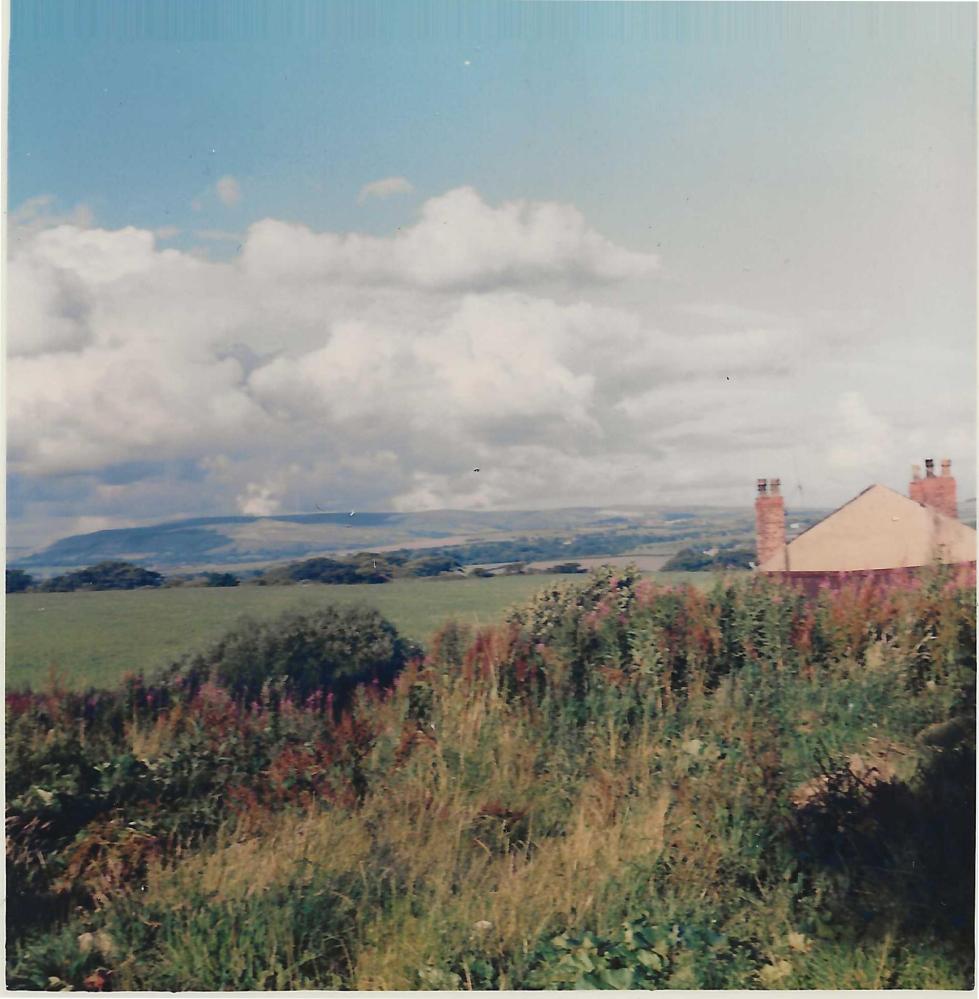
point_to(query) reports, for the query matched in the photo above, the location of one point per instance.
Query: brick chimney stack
(769, 519)
(936, 491)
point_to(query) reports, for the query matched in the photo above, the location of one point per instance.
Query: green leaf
(618, 978)
(644, 936)
(650, 959)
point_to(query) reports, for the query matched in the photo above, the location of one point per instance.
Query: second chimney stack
(937, 491)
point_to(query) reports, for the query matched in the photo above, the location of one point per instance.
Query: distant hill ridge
(238, 539)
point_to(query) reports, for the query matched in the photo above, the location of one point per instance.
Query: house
(878, 533)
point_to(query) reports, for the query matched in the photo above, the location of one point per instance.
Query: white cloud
(50, 310)
(228, 191)
(379, 371)
(459, 242)
(384, 188)
(258, 500)
(39, 213)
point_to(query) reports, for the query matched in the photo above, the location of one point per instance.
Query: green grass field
(95, 638)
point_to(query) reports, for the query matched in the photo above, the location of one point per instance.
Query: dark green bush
(104, 576)
(697, 560)
(430, 565)
(18, 581)
(328, 651)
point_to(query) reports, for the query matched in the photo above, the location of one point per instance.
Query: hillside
(246, 541)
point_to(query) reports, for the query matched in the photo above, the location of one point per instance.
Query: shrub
(18, 581)
(328, 651)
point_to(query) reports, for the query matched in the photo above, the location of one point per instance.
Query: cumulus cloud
(50, 310)
(258, 500)
(380, 370)
(459, 242)
(384, 188)
(228, 191)
(41, 212)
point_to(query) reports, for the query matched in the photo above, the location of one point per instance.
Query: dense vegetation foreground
(624, 786)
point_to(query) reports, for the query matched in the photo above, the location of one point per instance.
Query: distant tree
(568, 567)
(430, 565)
(697, 560)
(221, 579)
(349, 570)
(18, 581)
(104, 576)
(364, 567)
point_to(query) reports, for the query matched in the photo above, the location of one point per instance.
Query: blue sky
(804, 173)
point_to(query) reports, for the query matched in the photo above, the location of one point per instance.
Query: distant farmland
(643, 561)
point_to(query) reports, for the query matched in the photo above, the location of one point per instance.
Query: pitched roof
(878, 529)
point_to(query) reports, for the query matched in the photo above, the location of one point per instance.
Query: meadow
(94, 638)
(622, 785)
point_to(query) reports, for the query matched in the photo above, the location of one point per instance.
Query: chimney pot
(776, 487)
(762, 487)
(929, 467)
(946, 466)
(915, 473)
